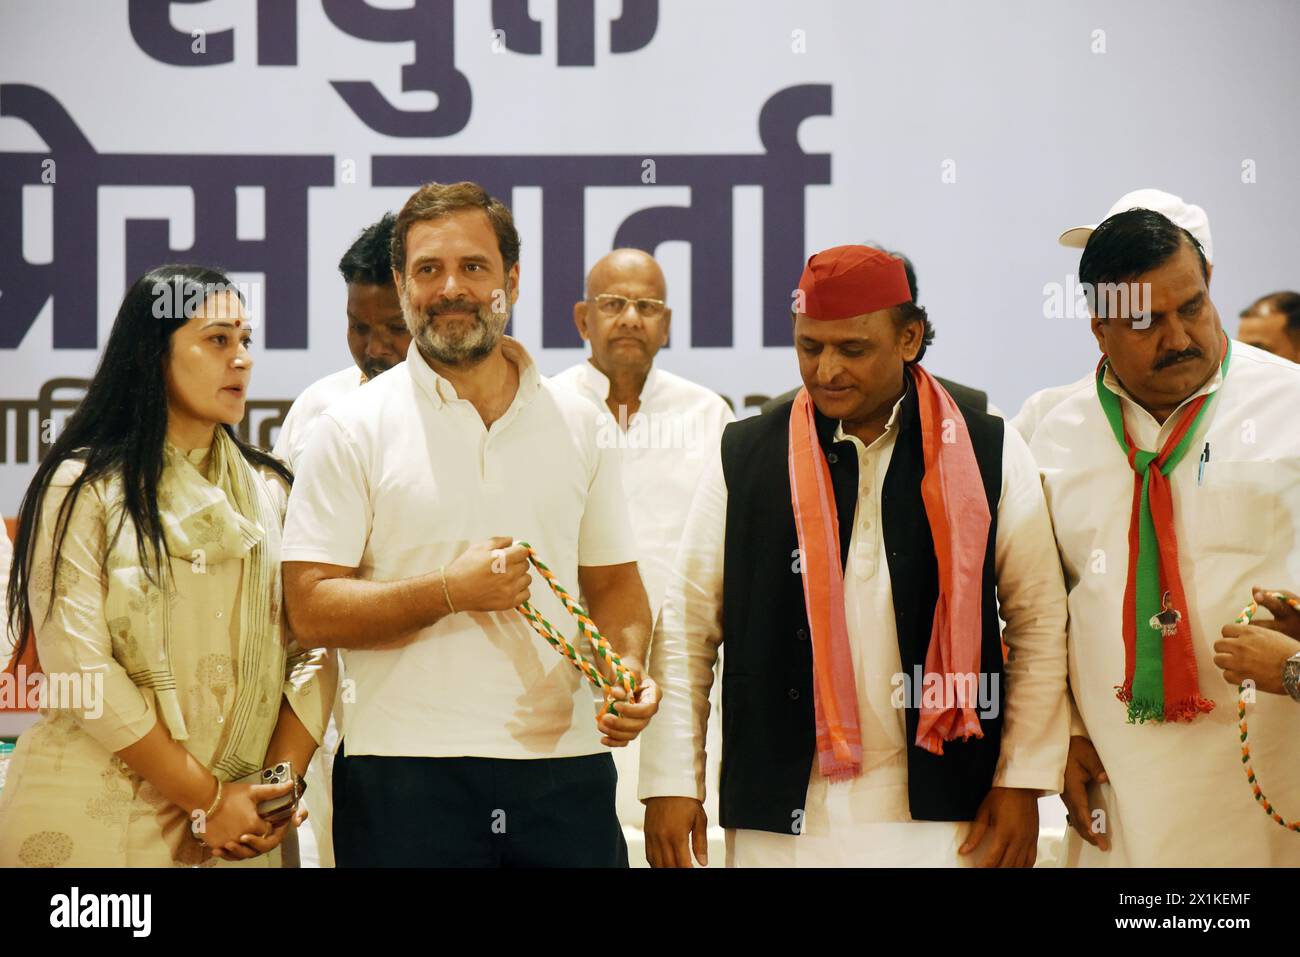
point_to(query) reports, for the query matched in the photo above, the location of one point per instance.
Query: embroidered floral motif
(215, 679)
(113, 806)
(68, 578)
(42, 577)
(54, 734)
(126, 647)
(145, 600)
(204, 528)
(46, 849)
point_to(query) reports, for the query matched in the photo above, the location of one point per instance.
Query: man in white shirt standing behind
(1174, 486)
(377, 335)
(466, 739)
(378, 340)
(665, 429)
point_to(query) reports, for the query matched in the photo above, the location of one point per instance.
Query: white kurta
(660, 475)
(664, 450)
(1039, 405)
(1177, 794)
(316, 841)
(867, 822)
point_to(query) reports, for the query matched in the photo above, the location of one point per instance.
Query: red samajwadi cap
(846, 281)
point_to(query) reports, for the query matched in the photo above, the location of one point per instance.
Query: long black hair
(120, 427)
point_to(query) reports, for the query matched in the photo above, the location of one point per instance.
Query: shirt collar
(1111, 382)
(597, 383)
(441, 391)
(890, 427)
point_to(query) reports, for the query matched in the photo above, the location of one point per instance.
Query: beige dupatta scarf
(230, 516)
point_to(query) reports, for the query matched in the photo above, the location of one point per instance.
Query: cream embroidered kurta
(1177, 794)
(68, 799)
(866, 822)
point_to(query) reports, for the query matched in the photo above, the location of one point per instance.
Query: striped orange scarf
(958, 513)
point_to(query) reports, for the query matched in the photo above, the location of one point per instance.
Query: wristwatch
(1291, 676)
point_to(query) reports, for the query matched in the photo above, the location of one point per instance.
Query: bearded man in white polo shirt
(1174, 487)
(466, 739)
(665, 430)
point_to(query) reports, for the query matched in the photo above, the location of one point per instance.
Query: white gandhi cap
(1191, 218)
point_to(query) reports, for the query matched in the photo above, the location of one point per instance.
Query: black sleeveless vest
(768, 734)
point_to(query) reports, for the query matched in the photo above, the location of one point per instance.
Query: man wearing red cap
(851, 548)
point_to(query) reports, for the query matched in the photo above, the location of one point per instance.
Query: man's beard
(463, 345)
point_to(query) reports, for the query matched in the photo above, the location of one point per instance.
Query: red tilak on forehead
(238, 323)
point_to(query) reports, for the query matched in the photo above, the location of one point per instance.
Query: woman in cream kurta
(69, 800)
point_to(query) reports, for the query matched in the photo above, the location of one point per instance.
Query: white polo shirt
(302, 415)
(401, 479)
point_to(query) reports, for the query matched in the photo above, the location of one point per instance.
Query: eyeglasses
(611, 305)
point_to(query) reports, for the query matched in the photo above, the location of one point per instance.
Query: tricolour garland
(1247, 614)
(599, 643)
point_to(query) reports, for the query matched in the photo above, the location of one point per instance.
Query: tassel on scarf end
(1141, 711)
(972, 728)
(841, 762)
(1187, 709)
(841, 775)
(932, 743)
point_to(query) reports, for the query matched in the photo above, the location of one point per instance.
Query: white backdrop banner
(731, 139)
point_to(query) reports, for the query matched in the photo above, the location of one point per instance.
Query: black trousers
(476, 812)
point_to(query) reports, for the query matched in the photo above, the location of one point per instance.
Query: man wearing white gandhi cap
(1173, 482)
(1187, 215)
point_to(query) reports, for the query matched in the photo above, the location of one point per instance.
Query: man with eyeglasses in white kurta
(665, 429)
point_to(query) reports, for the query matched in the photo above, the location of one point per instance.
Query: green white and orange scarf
(958, 513)
(1160, 678)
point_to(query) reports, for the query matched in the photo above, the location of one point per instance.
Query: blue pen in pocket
(1200, 466)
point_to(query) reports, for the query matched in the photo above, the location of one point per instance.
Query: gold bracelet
(215, 801)
(442, 572)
